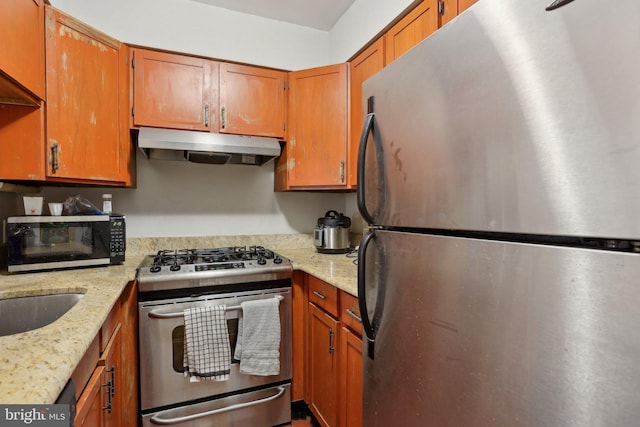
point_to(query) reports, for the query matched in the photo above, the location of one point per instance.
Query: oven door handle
(174, 315)
(157, 419)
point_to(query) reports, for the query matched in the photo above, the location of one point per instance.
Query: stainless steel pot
(331, 234)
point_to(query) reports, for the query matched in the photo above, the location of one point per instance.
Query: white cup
(55, 209)
(32, 205)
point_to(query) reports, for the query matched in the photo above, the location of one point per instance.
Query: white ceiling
(319, 14)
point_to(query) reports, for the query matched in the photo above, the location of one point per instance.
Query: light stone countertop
(338, 270)
(36, 365)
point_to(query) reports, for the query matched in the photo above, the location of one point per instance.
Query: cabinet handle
(111, 388)
(441, 7)
(331, 347)
(319, 295)
(223, 118)
(354, 315)
(206, 115)
(342, 172)
(113, 380)
(54, 158)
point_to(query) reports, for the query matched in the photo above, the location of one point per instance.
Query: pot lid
(334, 219)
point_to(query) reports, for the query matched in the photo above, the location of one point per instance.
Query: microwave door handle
(157, 419)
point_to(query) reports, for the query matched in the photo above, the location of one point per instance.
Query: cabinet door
(323, 366)
(86, 75)
(350, 379)
(22, 52)
(317, 147)
(111, 360)
(464, 5)
(251, 100)
(361, 68)
(89, 406)
(447, 10)
(412, 29)
(22, 155)
(173, 91)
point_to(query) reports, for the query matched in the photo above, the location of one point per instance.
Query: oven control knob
(155, 268)
(277, 260)
(262, 260)
(174, 267)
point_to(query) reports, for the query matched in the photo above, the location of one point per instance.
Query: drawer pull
(354, 315)
(319, 295)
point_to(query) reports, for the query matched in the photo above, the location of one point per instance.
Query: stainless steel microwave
(53, 242)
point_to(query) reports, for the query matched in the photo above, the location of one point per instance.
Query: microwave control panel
(117, 238)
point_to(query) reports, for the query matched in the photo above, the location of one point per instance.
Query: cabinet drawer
(323, 295)
(350, 312)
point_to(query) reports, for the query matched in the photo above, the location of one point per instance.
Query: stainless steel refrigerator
(499, 170)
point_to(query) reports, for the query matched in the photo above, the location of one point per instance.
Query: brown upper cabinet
(185, 92)
(22, 52)
(87, 94)
(465, 4)
(365, 65)
(173, 91)
(447, 10)
(315, 155)
(412, 29)
(252, 100)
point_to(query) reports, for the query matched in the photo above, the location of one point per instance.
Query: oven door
(161, 330)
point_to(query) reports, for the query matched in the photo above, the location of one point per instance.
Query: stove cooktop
(188, 268)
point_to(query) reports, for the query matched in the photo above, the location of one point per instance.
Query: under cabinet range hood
(205, 147)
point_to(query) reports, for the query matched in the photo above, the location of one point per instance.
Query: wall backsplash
(188, 199)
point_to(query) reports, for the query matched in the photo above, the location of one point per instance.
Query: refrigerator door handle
(369, 332)
(362, 149)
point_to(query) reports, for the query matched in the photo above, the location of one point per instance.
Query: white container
(32, 205)
(107, 207)
(55, 209)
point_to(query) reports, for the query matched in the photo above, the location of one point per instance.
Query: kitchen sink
(24, 314)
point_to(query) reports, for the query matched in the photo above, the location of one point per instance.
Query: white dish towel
(207, 354)
(258, 346)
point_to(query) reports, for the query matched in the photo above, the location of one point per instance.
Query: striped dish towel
(207, 353)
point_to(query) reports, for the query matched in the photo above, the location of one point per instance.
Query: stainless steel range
(173, 281)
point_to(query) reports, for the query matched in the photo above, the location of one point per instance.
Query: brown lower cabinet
(106, 377)
(332, 349)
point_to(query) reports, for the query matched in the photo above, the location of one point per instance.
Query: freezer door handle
(362, 149)
(370, 333)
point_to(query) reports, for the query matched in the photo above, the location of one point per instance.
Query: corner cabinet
(87, 93)
(22, 52)
(315, 155)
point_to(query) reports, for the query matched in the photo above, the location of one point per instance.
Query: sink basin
(24, 314)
